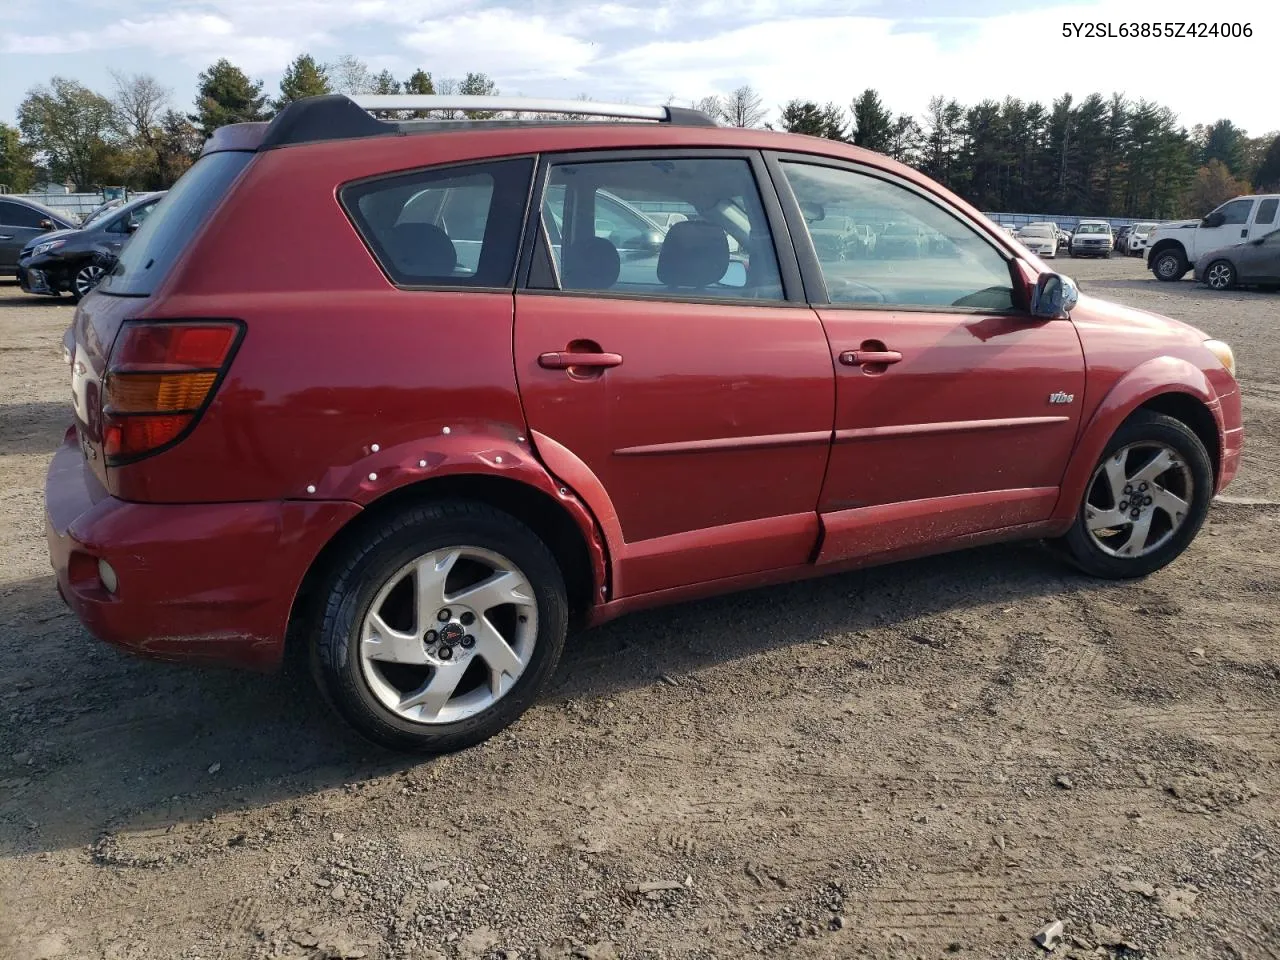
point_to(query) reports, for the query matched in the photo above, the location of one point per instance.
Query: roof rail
(338, 117)
(509, 104)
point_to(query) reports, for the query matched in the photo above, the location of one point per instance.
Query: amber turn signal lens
(157, 392)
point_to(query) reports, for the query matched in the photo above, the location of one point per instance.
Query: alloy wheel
(1139, 497)
(1219, 276)
(87, 278)
(448, 635)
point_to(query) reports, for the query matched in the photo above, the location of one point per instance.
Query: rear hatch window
(152, 251)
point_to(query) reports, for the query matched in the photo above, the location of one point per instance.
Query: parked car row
(52, 254)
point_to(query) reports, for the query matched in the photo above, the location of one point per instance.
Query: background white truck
(1173, 248)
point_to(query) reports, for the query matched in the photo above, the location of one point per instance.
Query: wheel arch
(1196, 415)
(1168, 243)
(581, 561)
(1169, 385)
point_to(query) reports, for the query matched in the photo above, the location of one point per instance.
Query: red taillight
(160, 378)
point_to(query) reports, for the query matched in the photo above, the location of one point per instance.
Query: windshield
(1092, 228)
(1144, 228)
(101, 212)
(1036, 231)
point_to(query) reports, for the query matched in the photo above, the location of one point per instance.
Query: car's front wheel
(86, 278)
(1169, 265)
(1220, 275)
(1145, 501)
(440, 627)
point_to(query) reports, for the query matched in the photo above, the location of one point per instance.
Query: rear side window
(1266, 212)
(149, 254)
(452, 227)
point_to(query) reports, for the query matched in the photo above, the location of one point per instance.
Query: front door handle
(6, 236)
(1244, 234)
(564, 359)
(858, 358)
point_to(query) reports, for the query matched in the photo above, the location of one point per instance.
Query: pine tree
(872, 123)
(225, 95)
(420, 83)
(302, 78)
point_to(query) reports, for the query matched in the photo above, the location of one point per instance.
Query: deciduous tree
(71, 129)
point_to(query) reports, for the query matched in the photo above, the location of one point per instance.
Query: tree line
(1099, 156)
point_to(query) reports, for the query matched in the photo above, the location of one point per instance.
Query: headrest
(423, 250)
(695, 253)
(591, 264)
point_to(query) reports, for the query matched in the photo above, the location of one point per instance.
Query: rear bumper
(206, 582)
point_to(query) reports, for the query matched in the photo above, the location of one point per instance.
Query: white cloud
(650, 49)
(507, 43)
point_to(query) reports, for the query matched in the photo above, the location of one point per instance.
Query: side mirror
(46, 224)
(1213, 220)
(813, 212)
(1054, 297)
(131, 225)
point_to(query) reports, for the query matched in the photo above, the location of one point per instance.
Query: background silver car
(1256, 263)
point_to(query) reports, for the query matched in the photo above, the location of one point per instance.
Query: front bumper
(210, 582)
(31, 280)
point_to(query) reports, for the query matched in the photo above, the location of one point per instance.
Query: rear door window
(18, 215)
(1266, 212)
(453, 227)
(156, 246)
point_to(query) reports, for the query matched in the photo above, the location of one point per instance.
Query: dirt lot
(929, 759)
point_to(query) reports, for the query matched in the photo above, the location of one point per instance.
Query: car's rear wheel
(1169, 265)
(86, 278)
(440, 627)
(1220, 275)
(1145, 502)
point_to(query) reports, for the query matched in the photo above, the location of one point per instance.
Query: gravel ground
(930, 759)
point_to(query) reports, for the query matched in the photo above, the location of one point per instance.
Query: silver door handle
(6, 236)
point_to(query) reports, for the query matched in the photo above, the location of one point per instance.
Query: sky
(646, 51)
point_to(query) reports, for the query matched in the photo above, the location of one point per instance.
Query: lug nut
(468, 642)
(445, 653)
(468, 618)
(1142, 486)
(1135, 513)
(1128, 488)
(1148, 501)
(444, 615)
(1123, 505)
(431, 636)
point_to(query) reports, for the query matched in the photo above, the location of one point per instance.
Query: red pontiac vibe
(420, 395)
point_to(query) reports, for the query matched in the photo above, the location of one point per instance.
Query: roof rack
(584, 108)
(338, 117)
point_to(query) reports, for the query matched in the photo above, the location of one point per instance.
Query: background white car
(1040, 238)
(1136, 241)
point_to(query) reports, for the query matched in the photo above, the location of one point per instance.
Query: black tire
(1169, 265)
(1220, 275)
(385, 548)
(1144, 426)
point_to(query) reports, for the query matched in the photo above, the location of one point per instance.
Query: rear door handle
(6, 236)
(856, 358)
(564, 359)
